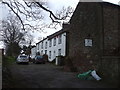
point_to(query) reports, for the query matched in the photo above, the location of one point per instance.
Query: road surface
(49, 76)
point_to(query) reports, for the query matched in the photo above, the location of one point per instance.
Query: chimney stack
(65, 25)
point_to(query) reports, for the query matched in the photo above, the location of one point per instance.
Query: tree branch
(51, 13)
(15, 13)
(32, 12)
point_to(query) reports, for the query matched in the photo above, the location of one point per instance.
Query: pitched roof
(42, 40)
(65, 28)
(55, 34)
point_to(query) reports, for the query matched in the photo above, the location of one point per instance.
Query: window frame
(49, 54)
(59, 39)
(45, 45)
(50, 43)
(59, 52)
(41, 45)
(41, 52)
(54, 43)
(45, 51)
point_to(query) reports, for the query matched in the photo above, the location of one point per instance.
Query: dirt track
(49, 76)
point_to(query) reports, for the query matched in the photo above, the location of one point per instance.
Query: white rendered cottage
(42, 46)
(54, 45)
(33, 52)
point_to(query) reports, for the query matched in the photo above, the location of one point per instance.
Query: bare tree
(28, 38)
(32, 10)
(64, 14)
(12, 34)
(11, 30)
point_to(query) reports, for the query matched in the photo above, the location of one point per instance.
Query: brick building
(94, 38)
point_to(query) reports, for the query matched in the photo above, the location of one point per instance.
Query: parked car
(39, 59)
(22, 59)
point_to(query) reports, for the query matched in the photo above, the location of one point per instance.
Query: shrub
(7, 60)
(6, 73)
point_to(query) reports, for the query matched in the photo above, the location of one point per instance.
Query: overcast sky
(56, 5)
(53, 5)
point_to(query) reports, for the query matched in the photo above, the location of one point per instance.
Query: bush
(8, 60)
(6, 73)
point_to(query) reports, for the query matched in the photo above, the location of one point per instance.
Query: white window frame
(59, 52)
(49, 54)
(59, 39)
(41, 45)
(54, 43)
(50, 42)
(45, 45)
(45, 51)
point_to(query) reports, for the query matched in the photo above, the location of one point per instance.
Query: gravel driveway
(49, 76)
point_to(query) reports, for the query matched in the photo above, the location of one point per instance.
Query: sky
(53, 5)
(56, 5)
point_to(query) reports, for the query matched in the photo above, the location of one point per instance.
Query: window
(46, 45)
(59, 52)
(59, 39)
(42, 52)
(38, 47)
(54, 42)
(50, 43)
(23, 56)
(54, 54)
(45, 51)
(42, 45)
(49, 54)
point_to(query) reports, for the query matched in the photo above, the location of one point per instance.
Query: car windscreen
(38, 57)
(23, 56)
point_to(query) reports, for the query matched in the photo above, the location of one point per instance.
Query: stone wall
(85, 25)
(109, 64)
(109, 69)
(111, 34)
(100, 23)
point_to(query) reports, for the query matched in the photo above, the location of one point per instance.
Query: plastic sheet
(93, 73)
